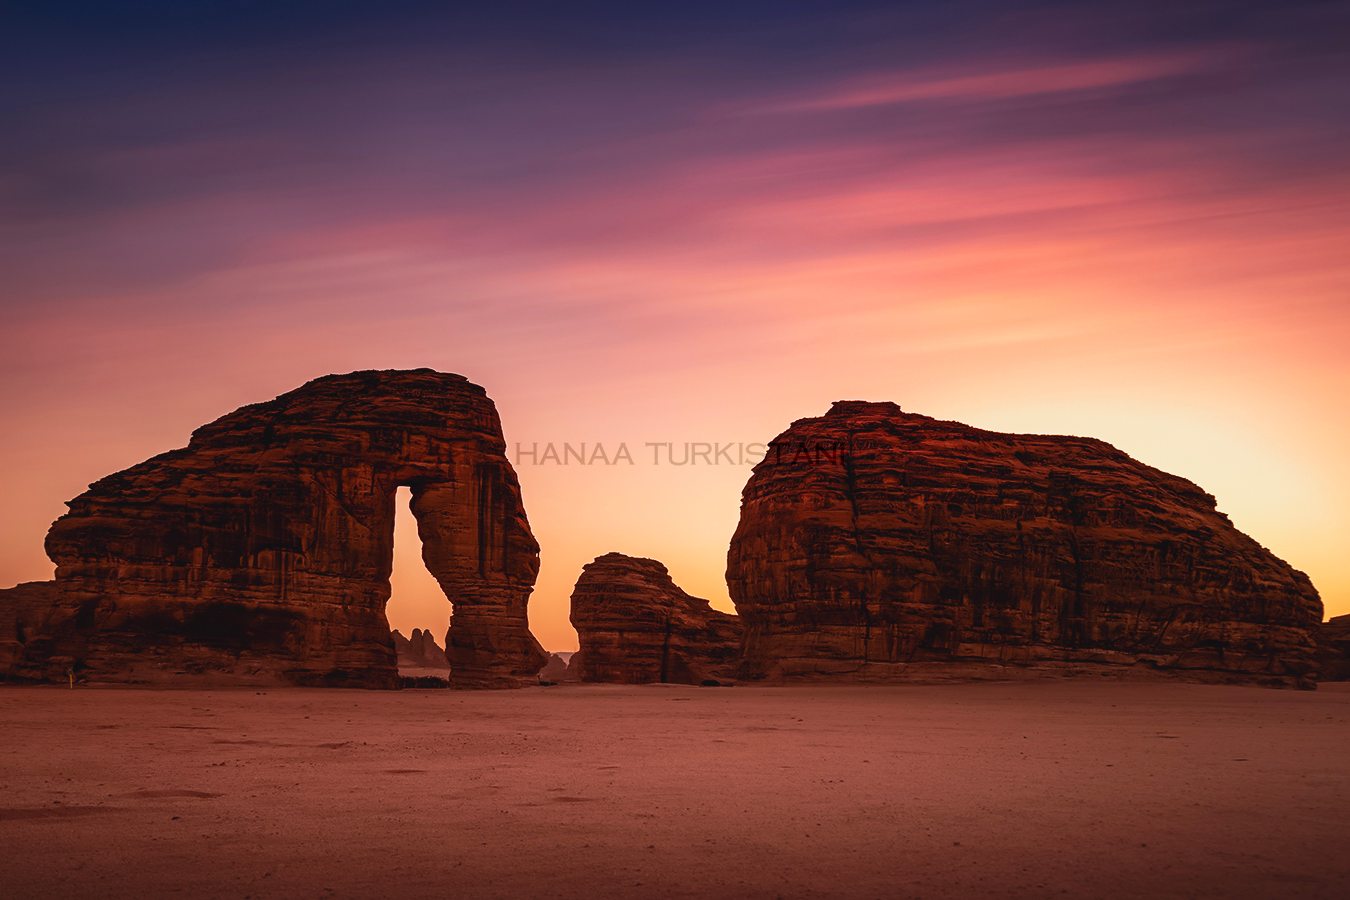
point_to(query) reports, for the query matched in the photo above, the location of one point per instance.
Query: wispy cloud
(1014, 79)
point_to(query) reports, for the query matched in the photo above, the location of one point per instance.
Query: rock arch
(261, 552)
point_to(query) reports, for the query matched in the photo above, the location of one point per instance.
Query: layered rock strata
(261, 551)
(636, 626)
(23, 611)
(879, 544)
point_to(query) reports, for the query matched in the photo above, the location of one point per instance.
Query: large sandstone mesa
(261, 552)
(636, 626)
(877, 544)
(1333, 640)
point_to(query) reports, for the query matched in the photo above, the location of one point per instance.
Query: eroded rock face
(24, 610)
(556, 670)
(1333, 640)
(262, 550)
(636, 626)
(877, 544)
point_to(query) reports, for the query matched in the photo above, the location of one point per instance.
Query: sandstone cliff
(262, 550)
(635, 626)
(878, 544)
(24, 610)
(1333, 640)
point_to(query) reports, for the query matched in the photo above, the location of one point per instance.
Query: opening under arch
(416, 604)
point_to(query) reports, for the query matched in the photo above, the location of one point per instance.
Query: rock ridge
(904, 546)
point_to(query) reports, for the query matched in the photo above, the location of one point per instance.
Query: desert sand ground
(1102, 789)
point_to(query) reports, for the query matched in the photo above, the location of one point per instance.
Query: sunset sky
(685, 223)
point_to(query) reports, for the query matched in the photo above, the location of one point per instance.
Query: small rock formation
(556, 670)
(261, 552)
(636, 626)
(420, 651)
(1333, 640)
(878, 544)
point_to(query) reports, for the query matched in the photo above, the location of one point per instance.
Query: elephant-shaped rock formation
(261, 552)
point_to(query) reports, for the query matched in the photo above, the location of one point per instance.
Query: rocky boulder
(636, 626)
(879, 544)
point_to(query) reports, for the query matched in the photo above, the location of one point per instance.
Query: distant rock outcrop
(261, 552)
(636, 626)
(402, 648)
(556, 670)
(878, 544)
(419, 651)
(1333, 640)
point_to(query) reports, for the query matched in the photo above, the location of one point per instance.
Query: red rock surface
(877, 544)
(261, 552)
(636, 626)
(1333, 640)
(23, 610)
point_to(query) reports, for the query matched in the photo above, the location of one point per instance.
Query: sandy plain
(1011, 790)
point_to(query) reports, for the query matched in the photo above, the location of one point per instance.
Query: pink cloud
(1021, 80)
